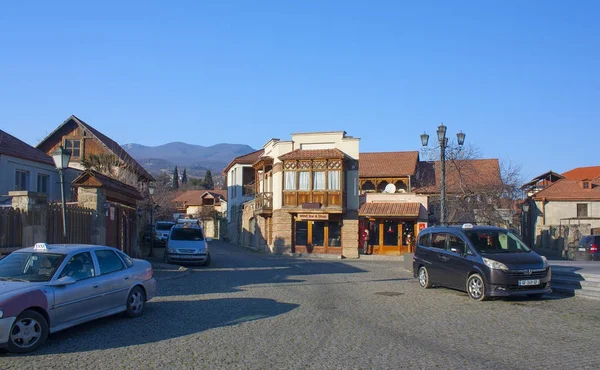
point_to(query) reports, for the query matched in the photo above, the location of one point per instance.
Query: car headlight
(1, 314)
(494, 264)
(545, 260)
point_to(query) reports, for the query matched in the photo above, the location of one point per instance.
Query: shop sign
(313, 216)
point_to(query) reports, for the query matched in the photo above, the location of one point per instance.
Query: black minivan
(484, 261)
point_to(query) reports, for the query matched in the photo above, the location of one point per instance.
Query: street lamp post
(61, 159)
(443, 141)
(151, 192)
(525, 225)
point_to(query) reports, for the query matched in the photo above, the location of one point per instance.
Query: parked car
(48, 288)
(587, 249)
(187, 244)
(484, 261)
(161, 232)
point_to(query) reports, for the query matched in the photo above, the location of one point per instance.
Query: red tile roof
(461, 174)
(13, 147)
(313, 154)
(583, 173)
(249, 158)
(570, 190)
(194, 197)
(389, 164)
(398, 209)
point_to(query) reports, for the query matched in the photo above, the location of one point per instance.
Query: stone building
(306, 196)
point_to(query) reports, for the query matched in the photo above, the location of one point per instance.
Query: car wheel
(135, 302)
(423, 276)
(28, 332)
(476, 287)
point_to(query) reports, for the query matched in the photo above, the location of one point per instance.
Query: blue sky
(521, 78)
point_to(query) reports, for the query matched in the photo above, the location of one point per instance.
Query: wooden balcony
(263, 204)
(327, 199)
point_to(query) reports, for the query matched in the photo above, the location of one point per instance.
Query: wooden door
(390, 237)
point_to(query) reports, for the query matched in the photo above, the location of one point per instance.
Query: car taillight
(594, 248)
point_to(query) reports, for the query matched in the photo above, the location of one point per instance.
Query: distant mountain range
(196, 159)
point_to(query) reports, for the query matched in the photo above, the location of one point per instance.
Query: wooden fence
(44, 222)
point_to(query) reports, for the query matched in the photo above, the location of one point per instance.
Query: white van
(187, 244)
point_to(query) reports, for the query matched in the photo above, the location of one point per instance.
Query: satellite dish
(390, 188)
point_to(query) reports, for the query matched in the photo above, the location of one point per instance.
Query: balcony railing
(263, 203)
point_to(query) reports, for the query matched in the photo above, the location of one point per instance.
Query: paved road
(253, 311)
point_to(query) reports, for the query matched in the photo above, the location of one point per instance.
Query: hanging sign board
(313, 216)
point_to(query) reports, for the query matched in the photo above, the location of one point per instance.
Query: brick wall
(350, 235)
(282, 232)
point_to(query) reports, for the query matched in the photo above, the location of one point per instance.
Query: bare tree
(112, 166)
(478, 191)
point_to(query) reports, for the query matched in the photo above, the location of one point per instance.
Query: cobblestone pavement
(254, 311)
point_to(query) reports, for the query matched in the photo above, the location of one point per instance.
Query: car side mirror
(63, 281)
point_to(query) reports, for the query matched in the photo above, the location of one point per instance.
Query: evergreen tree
(208, 182)
(184, 178)
(175, 178)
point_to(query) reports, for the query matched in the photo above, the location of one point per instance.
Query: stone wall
(282, 232)
(560, 237)
(94, 199)
(350, 234)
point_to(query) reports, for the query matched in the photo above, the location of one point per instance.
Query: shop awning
(390, 209)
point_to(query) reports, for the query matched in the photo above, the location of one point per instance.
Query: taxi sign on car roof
(40, 247)
(467, 226)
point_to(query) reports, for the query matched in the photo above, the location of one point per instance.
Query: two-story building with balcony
(391, 214)
(306, 196)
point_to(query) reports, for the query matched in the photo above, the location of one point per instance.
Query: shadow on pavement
(232, 268)
(162, 320)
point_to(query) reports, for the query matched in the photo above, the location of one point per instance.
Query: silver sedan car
(48, 288)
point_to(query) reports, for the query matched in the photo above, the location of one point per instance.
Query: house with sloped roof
(306, 196)
(563, 211)
(390, 213)
(239, 177)
(88, 145)
(208, 206)
(25, 168)
(474, 190)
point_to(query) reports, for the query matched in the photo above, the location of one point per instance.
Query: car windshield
(188, 234)
(35, 267)
(164, 226)
(496, 241)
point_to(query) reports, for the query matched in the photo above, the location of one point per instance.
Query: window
(42, 183)
(33, 267)
(187, 234)
(455, 242)
(319, 180)
(438, 240)
(335, 234)
(74, 146)
(126, 259)
(333, 180)
(424, 240)
(492, 242)
(21, 180)
(582, 210)
(108, 261)
(304, 180)
(586, 185)
(79, 267)
(290, 180)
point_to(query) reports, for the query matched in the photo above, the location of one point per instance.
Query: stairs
(566, 280)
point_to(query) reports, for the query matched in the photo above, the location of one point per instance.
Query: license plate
(582, 249)
(529, 282)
